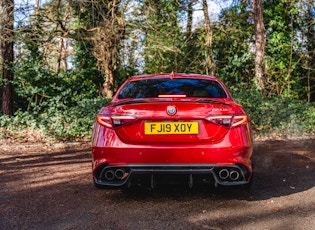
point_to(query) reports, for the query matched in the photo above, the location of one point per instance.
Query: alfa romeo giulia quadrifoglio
(171, 128)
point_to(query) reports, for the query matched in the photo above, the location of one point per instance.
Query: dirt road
(50, 187)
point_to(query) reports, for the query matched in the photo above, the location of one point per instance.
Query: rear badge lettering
(219, 109)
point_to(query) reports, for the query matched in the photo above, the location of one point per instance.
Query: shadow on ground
(54, 190)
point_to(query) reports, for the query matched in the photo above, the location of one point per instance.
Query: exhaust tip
(119, 173)
(229, 174)
(224, 174)
(109, 175)
(234, 175)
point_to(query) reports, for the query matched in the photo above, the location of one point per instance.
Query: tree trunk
(260, 45)
(7, 56)
(210, 64)
(108, 85)
(106, 38)
(189, 17)
(310, 40)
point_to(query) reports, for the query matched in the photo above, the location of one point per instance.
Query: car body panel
(134, 136)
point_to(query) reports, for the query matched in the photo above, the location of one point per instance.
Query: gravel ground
(50, 187)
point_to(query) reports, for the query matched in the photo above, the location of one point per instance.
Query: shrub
(277, 116)
(65, 107)
(62, 106)
(59, 122)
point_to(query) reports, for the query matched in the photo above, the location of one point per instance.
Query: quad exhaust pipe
(225, 174)
(220, 175)
(115, 174)
(119, 173)
(109, 175)
(234, 175)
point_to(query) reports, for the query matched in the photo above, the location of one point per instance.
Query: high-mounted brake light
(114, 121)
(228, 120)
(171, 95)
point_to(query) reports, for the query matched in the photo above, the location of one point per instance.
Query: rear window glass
(150, 88)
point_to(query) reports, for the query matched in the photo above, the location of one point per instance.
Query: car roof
(170, 75)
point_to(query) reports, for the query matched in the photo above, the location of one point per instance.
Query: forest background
(61, 60)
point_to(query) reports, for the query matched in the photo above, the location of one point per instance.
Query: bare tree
(260, 44)
(62, 50)
(106, 30)
(309, 59)
(101, 22)
(190, 16)
(210, 64)
(106, 38)
(7, 57)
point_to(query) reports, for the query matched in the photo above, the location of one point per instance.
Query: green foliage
(61, 105)
(232, 39)
(282, 58)
(163, 37)
(278, 116)
(57, 121)
(70, 122)
(64, 104)
(193, 54)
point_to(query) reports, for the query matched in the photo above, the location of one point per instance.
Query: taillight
(228, 120)
(239, 120)
(224, 120)
(105, 121)
(114, 121)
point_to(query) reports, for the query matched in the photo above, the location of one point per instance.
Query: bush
(59, 122)
(277, 116)
(65, 107)
(62, 106)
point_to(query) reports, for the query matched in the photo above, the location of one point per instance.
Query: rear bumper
(171, 155)
(150, 175)
(183, 161)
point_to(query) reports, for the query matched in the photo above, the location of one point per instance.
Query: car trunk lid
(170, 121)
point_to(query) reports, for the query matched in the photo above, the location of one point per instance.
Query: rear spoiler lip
(139, 101)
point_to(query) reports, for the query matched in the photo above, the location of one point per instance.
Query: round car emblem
(171, 110)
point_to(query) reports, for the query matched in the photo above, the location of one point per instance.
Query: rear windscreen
(157, 87)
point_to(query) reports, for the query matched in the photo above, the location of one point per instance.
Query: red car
(171, 128)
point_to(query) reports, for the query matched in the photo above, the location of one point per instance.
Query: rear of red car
(172, 128)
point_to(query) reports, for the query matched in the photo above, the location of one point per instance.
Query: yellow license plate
(170, 128)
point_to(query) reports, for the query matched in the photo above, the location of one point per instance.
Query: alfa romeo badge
(171, 110)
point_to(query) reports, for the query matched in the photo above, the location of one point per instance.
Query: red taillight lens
(239, 120)
(114, 121)
(224, 120)
(105, 121)
(122, 120)
(228, 120)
